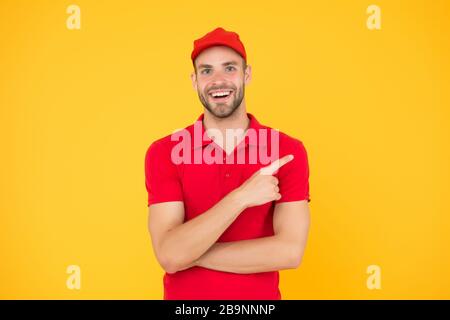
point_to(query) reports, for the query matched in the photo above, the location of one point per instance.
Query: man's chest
(205, 185)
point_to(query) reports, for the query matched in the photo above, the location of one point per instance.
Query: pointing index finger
(274, 166)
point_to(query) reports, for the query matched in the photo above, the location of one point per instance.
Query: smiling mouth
(220, 95)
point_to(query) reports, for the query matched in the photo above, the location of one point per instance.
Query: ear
(247, 74)
(194, 80)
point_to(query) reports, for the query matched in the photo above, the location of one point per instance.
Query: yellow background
(78, 109)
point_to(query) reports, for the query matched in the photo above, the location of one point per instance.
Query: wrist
(238, 199)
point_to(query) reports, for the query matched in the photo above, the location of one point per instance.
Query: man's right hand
(262, 186)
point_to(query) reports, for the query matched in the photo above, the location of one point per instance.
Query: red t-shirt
(201, 185)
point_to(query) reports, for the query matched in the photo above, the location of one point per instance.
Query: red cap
(219, 37)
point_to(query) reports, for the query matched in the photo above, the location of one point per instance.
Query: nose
(218, 80)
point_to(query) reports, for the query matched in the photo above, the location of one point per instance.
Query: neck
(238, 120)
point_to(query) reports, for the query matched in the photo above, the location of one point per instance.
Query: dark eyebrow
(228, 63)
(204, 66)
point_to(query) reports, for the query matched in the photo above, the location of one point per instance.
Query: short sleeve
(294, 176)
(161, 176)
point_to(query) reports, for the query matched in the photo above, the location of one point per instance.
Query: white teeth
(221, 94)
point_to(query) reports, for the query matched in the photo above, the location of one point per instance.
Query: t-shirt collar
(254, 125)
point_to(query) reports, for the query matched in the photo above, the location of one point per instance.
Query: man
(223, 229)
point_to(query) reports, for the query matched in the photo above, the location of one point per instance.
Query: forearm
(251, 256)
(187, 242)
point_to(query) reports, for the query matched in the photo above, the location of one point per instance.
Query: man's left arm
(283, 250)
